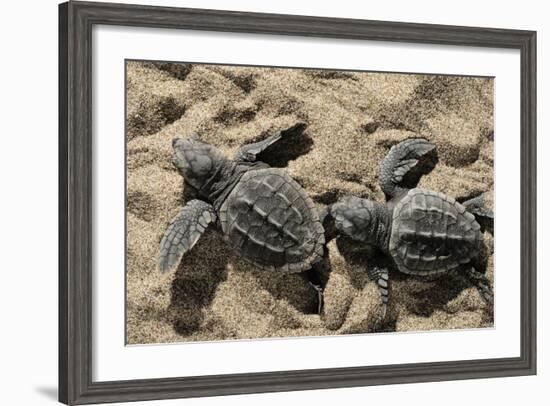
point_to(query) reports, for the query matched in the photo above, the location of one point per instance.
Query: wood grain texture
(75, 202)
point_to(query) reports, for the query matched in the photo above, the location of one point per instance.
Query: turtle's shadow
(292, 288)
(196, 280)
(423, 302)
(439, 291)
(424, 166)
(287, 149)
(361, 256)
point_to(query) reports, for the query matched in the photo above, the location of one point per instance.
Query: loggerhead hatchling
(264, 215)
(422, 231)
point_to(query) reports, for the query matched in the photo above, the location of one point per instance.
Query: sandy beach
(352, 118)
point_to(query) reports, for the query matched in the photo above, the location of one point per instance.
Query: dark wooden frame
(75, 204)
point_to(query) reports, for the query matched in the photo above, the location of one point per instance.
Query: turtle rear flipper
(484, 216)
(482, 284)
(313, 277)
(251, 152)
(183, 233)
(326, 219)
(381, 277)
(399, 170)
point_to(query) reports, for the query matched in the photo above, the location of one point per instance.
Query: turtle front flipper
(401, 164)
(183, 233)
(250, 152)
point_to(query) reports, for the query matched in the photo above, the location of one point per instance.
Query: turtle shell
(271, 222)
(432, 233)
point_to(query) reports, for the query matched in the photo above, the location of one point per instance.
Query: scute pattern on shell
(271, 222)
(432, 233)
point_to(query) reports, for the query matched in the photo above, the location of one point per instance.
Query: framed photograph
(259, 202)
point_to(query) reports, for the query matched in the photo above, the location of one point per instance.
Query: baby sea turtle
(264, 215)
(422, 231)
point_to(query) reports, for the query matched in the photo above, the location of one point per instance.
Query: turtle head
(196, 161)
(362, 220)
